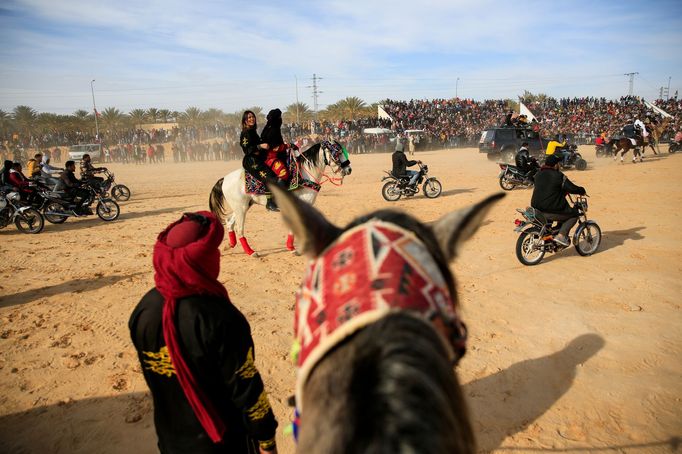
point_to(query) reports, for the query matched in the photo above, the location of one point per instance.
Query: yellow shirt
(552, 146)
(32, 167)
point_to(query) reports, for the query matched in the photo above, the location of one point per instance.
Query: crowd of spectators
(446, 123)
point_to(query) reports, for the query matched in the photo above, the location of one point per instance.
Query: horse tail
(216, 201)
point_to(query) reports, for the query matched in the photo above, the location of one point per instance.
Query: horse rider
(551, 185)
(630, 130)
(525, 162)
(255, 154)
(401, 163)
(639, 124)
(272, 135)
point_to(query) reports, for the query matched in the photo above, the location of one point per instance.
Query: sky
(232, 55)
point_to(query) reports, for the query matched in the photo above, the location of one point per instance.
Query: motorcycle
(397, 187)
(119, 192)
(674, 147)
(26, 218)
(537, 234)
(604, 150)
(575, 159)
(57, 209)
(511, 176)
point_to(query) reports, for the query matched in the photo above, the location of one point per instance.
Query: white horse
(232, 189)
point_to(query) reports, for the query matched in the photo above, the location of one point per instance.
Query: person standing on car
(549, 197)
(401, 163)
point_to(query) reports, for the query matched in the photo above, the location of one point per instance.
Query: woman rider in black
(255, 153)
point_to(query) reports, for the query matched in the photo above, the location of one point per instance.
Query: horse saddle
(252, 185)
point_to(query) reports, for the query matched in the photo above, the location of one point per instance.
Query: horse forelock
(313, 154)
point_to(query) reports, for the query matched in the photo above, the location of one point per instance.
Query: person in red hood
(196, 350)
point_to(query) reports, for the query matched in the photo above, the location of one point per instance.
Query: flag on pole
(657, 109)
(523, 110)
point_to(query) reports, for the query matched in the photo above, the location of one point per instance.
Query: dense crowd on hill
(446, 123)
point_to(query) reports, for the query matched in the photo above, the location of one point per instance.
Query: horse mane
(397, 395)
(313, 154)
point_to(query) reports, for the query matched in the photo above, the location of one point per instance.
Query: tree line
(26, 121)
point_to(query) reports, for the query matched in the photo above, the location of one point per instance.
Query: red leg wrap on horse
(233, 238)
(245, 246)
(290, 242)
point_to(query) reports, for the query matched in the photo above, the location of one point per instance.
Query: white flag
(523, 110)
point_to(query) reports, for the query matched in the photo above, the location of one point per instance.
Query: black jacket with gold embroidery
(215, 339)
(249, 140)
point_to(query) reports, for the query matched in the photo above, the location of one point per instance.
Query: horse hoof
(296, 253)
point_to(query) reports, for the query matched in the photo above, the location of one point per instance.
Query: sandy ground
(573, 355)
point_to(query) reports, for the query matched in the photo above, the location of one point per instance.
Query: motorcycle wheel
(432, 188)
(526, 251)
(391, 192)
(108, 210)
(581, 164)
(506, 183)
(30, 221)
(53, 218)
(120, 193)
(587, 238)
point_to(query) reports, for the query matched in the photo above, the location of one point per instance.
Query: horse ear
(312, 230)
(454, 228)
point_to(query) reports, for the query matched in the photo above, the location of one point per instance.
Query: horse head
(378, 330)
(336, 157)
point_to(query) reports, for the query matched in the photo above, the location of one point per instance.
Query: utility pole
(316, 92)
(92, 89)
(632, 81)
(667, 93)
(660, 93)
(297, 119)
(456, 87)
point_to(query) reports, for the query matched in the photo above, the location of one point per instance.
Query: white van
(76, 152)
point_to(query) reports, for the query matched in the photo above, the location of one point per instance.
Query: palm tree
(5, 123)
(137, 117)
(213, 115)
(175, 115)
(25, 118)
(48, 122)
(152, 114)
(332, 112)
(297, 112)
(112, 119)
(191, 116)
(164, 115)
(351, 107)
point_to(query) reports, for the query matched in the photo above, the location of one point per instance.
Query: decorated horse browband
(370, 271)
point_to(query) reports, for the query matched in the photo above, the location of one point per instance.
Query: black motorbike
(674, 147)
(397, 187)
(13, 210)
(57, 207)
(575, 160)
(511, 177)
(604, 150)
(537, 234)
(119, 192)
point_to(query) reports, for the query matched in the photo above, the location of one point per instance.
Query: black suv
(501, 144)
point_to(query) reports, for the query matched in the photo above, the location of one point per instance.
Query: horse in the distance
(308, 168)
(378, 332)
(624, 144)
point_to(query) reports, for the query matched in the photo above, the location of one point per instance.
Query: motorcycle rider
(401, 163)
(33, 165)
(549, 197)
(88, 171)
(48, 173)
(525, 162)
(72, 186)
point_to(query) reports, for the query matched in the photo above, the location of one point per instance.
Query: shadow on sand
(72, 286)
(615, 238)
(122, 423)
(510, 400)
